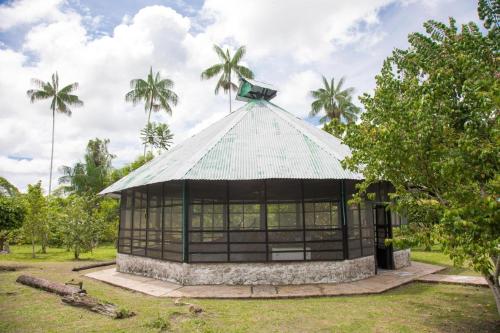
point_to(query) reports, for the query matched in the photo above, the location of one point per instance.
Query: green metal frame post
(185, 221)
(343, 213)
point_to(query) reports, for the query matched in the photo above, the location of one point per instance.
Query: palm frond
(245, 72)
(325, 83)
(212, 71)
(69, 88)
(37, 95)
(240, 53)
(39, 83)
(316, 107)
(220, 53)
(72, 100)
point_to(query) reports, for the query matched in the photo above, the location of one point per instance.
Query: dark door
(383, 230)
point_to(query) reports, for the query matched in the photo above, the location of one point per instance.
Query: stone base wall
(275, 273)
(401, 258)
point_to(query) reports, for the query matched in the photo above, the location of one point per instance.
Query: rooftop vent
(252, 90)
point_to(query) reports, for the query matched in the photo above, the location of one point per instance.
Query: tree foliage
(61, 100)
(78, 225)
(335, 101)
(35, 226)
(155, 92)
(119, 173)
(157, 135)
(227, 67)
(432, 129)
(12, 211)
(92, 175)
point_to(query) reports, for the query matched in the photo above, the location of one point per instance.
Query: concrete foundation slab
(381, 282)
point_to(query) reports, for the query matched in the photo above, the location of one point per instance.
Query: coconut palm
(335, 101)
(228, 66)
(62, 99)
(155, 92)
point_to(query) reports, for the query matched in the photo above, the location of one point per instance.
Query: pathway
(455, 279)
(385, 280)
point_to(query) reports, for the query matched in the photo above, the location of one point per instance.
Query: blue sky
(104, 44)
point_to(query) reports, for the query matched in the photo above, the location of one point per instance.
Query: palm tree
(61, 100)
(335, 101)
(158, 136)
(227, 67)
(155, 92)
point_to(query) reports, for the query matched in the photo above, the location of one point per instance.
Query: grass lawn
(417, 307)
(438, 258)
(23, 253)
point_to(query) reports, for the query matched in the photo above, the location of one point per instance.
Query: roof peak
(255, 90)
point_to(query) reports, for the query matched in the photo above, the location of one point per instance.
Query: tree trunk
(495, 289)
(52, 152)
(94, 305)
(230, 105)
(149, 119)
(100, 264)
(77, 252)
(53, 287)
(4, 246)
(32, 246)
(44, 243)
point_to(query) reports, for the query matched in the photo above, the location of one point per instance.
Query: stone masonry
(401, 258)
(273, 273)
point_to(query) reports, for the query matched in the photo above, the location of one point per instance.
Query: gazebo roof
(258, 141)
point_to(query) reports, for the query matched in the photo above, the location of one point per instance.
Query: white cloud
(307, 31)
(290, 44)
(29, 11)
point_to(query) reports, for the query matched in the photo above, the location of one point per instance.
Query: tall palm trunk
(230, 106)
(52, 152)
(149, 120)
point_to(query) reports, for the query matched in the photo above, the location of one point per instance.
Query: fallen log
(74, 296)
(99, 264)
(53, 287)
(94, 305)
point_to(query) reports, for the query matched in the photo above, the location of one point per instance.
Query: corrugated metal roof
(258, 141)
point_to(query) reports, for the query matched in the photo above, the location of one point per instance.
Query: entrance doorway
(383, 230)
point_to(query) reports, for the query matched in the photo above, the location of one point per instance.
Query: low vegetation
(417, 307)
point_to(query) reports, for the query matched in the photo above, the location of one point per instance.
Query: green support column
(185, 221)
(343, 214)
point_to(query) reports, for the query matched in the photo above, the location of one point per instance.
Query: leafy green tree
(155, 92)
(61, 100)
(157, 135)
(12, 212)
(431, 128)
(228, 65)
(35, 225)
(335, 101)
(92, 175)
(78, 227)
(7, 189)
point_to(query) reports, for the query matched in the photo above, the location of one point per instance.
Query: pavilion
(259, 197)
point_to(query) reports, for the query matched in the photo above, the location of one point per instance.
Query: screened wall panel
(139, 221)
(246, 221)
(208, 222)
(247, 230)
(125, 230)
(172, 221)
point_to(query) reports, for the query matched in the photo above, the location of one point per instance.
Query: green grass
(417, 307)
(23, 253)
(436, 257)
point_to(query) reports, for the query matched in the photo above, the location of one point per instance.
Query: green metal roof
(258, 141)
